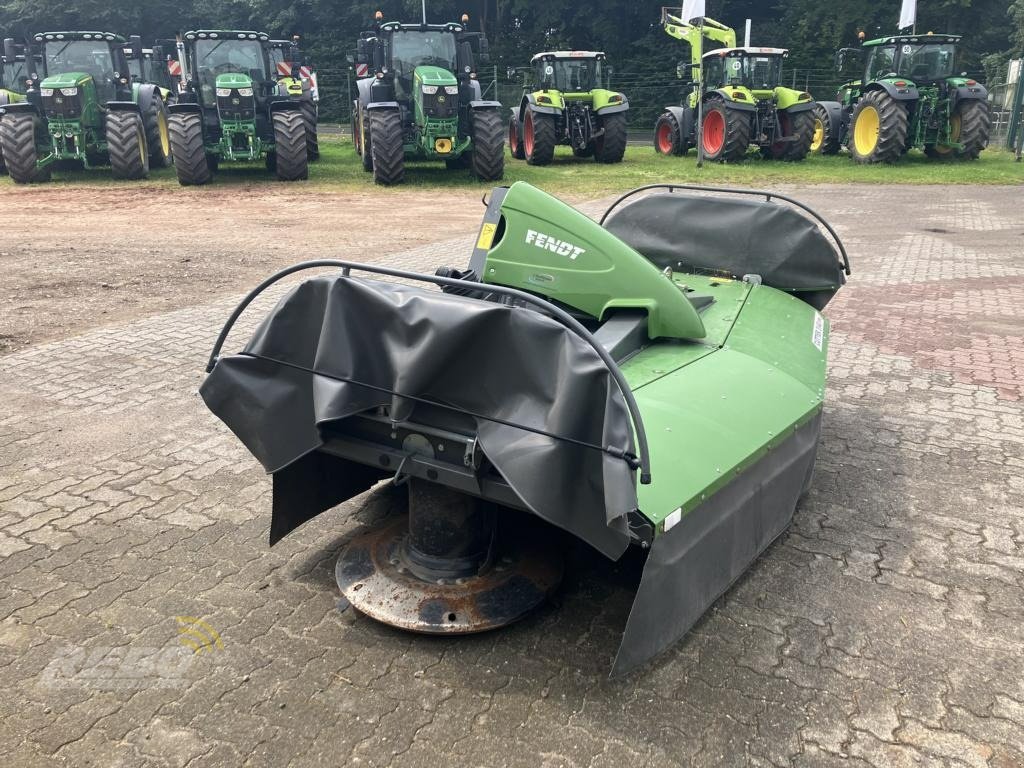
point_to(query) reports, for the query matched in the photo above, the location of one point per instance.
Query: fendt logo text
(561, 247)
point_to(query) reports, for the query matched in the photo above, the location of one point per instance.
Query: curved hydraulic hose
(767, 195)
(559, 314)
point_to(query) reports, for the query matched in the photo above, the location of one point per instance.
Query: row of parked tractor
(225, 96)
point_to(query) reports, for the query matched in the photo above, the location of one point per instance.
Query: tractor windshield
(571, 75)
(222, 57)
(754, 71)
(927, 62)
(93, 57)
(417, 48)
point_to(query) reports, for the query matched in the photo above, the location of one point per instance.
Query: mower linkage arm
(643, 457)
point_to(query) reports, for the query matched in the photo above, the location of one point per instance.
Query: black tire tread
(310, 119)
(893, 124)
(611, 147)
(386, 146)
(488, 160)
(737, 133)
(829, 142)
(190, 161)
(18, 137)
(124, 132)
(802, 125)
(151, 122)
(291, 163)
(678, 146)
(515, 149)
(543, 138)
(975, 126)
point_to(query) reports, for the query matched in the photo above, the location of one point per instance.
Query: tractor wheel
(386, 146)
(3, 165)
(822, 140)
(310, 119)
(878, 129)
(610, 146)
(968, 125)
(18, 138)
(668, 139)
(488, 145)
(290, 146)
(799, 125)
(191, 162)
(355, 126)
(725, 134)
(365, 142)
(515, 142)
(538, 137)
(126, 144)
(158, 137)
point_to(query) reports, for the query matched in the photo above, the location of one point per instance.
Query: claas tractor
(229, 109)
(13, 73)
(910, 96)
(738, 92)
(84, 108)
(422, 101)
(149, 65)
(297, 79)
(567, 101)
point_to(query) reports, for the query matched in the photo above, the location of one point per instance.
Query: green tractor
(421, 100)
(909, 97)
(230, 109)
(743, 101)
(85, 109)
(569, 102)
(13, 73)
(297, 79)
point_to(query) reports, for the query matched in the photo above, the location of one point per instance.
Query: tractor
(909, 97)
(740, 97)
(422, 101)
(297, 79)
(149, 65)
(230, 109)
(85, 109)
(567, 100)
(12, 81)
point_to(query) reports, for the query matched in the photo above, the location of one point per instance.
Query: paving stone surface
(886, 628)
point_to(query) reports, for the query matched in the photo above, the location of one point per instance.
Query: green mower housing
(567, 101)
(230, 109)
(421, 100)
(909, 97)
(86, 109)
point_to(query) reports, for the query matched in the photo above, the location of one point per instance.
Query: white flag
(908, 14)
(693, 9)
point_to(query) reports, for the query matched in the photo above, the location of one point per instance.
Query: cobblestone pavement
(884, 629)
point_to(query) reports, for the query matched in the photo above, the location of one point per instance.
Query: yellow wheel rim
(142, 142)
(165, 137)
(865, 132)
(819, 135)
(954, 135)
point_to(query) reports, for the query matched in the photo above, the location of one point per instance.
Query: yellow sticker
(486, 236)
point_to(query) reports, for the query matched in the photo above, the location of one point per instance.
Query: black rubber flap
(740, 237)
(694, 563)
(510, 363)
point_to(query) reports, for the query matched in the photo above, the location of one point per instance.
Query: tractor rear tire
(799, 125)
(310, 119)
(18, 138)
(515, 140)
(126, 144)
(823, 142)
(538, 137)
(878, 129)
(158, 137)
(291, 162)
(975, 125)
(725, 134)
(488, 159)
(610, 146)
(386, 145)
(365, 140)
(191, 162)
(668, 138)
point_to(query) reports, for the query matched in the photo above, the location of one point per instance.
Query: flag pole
(700, 95)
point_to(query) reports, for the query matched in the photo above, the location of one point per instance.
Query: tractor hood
(66, 80)
(234, 80)
(433, 76)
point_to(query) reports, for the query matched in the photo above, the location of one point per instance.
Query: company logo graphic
(553, 244)
(196, 634)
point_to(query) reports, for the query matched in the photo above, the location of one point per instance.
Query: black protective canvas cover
(733, 235)
(508, 363)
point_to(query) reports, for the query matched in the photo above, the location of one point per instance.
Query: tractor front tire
(291, 162)
(18, 138)
(158, 137)
(610, 146)
(488, 160)
(515, 139)
(126, 144)
(365, 140)
(191, 162)
(823, 141)
(668, 137)
(725, 134)
(310, 118)
(538, 137)
(386, 146)
(800, 126)
(878, 129)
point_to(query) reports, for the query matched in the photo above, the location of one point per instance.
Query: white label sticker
(674, 517)
(818, 334)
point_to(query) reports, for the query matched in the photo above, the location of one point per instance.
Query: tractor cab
(922, 59)
(13, 69)
(91, 61)
(756, 69)
(287, 63)
(570, 71)
(149, 65)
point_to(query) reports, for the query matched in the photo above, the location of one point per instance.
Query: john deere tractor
(297, 79)
(741, 97)
(13, 73)
(85, 108)
(230, 109)
(567, 100)
(909, 97)
(422, 101)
